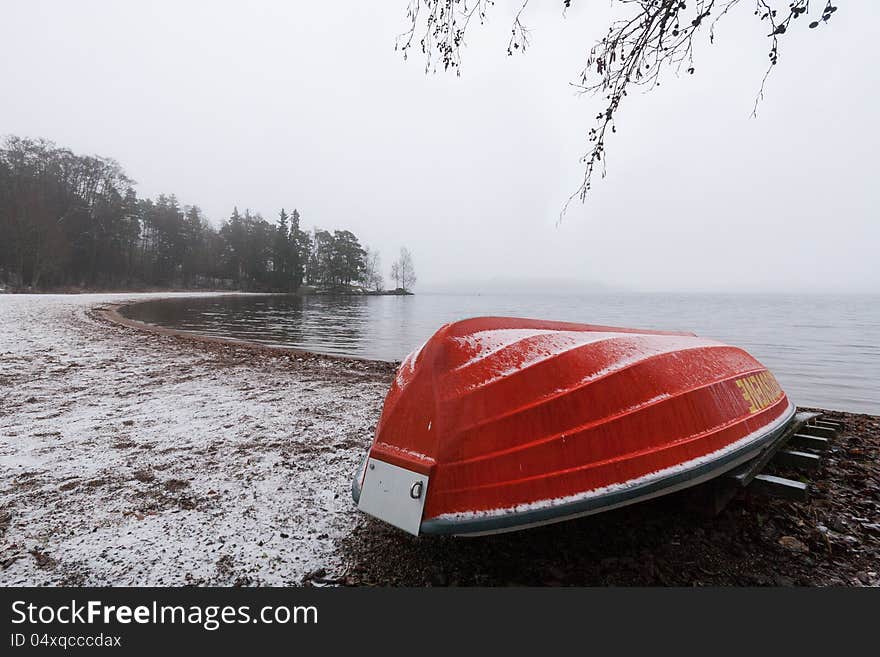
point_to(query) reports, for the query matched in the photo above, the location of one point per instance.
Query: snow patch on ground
(135, 459)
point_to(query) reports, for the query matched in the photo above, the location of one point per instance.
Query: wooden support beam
(794, 459)
(803, 441)
(779, 487)
(837, 426)
(816, 430)
(709, 499)
(745, 473)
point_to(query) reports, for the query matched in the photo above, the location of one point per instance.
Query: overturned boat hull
(498, 424)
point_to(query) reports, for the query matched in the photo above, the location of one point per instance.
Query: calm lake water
(825, 350)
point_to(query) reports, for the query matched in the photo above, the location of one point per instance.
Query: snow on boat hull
(498, 424)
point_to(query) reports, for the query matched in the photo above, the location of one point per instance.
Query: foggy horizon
(272, 106)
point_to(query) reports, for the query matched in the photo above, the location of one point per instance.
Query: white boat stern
(394, 495)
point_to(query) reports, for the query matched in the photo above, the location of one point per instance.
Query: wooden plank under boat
(497, 423)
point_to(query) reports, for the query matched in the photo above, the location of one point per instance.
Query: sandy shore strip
(132, 458)
(149, 458)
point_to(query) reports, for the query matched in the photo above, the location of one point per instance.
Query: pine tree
(298, 248)
(281, 253)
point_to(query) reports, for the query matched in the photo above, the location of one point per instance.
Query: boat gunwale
(499, 521)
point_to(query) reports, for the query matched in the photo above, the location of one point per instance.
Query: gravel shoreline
(155, 458)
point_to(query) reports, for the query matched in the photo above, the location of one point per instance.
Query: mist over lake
(823, 349)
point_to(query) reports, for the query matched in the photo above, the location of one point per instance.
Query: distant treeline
(68, 220)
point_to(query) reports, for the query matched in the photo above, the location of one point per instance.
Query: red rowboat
(497, 424)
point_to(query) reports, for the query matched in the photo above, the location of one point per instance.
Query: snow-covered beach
(131, 458)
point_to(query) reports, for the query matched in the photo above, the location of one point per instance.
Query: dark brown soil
(834, 539)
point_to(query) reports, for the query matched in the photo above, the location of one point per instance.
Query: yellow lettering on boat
(759, 390)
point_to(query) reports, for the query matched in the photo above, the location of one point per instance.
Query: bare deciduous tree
(373, 278)
(403, 271)
(395, 274)
(407, 270)
(653, 36)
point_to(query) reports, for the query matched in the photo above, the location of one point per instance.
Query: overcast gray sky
(307, 105)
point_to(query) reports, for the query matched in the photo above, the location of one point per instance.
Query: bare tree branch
(636, 50)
